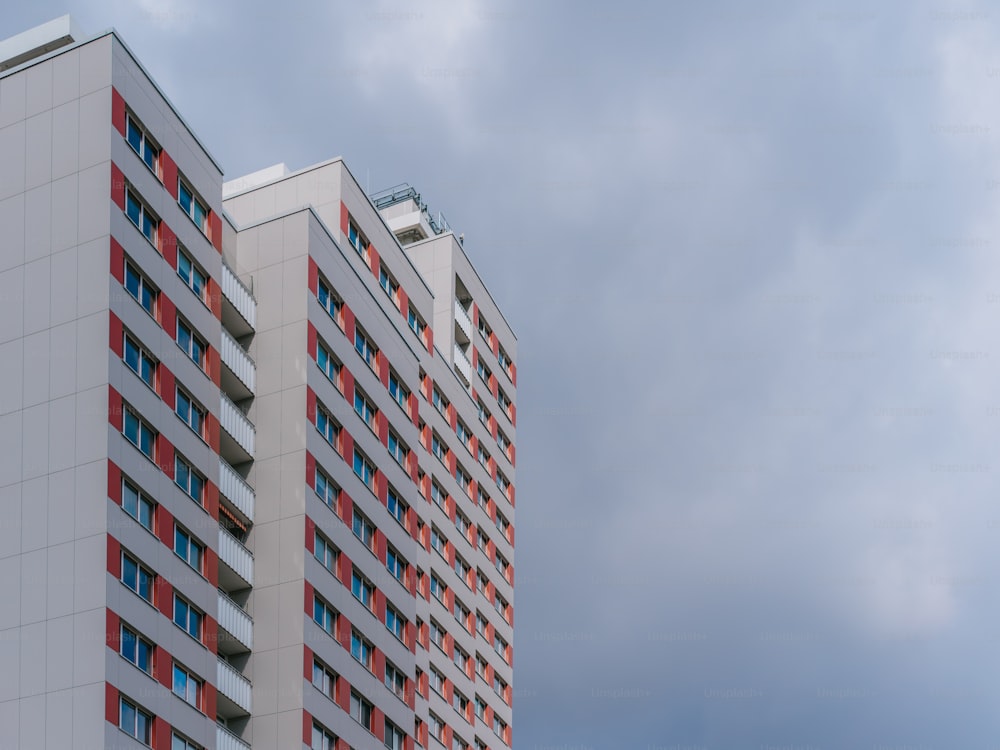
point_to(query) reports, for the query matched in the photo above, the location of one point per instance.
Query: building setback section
(259, 485)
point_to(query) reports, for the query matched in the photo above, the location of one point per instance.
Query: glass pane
(184, 198)
(133, 136)
(149, 156)
(132, 209)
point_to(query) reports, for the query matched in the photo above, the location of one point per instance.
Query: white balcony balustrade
(236, 556)
(234, 686)
(226, 740)
(235, 621)
(236, 425)
(239, 362)
(463, 319)
(463, 365)
(236, 490)
(239, 296)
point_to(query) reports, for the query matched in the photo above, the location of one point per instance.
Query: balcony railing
(463, 365)
(236, 556)
(238, 361)
(235, 621)
(236, 424)
(239, 296)
(463, 319)
(234, 686)
(235, 488)
(226, 740)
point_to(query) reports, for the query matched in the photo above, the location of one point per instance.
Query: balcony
(240, 376)
(463, 320)
(226, 740)
(238, 559)
(234, 689)
(239, 308)
(239, 430)
(462, 365)
(237, 626)
(235, 489)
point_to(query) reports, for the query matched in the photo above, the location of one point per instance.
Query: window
(462, 523)
(397, 507)
(505, 403)
(139, 361)
(437, 635)
(398, 449)
(484, 413)
(189, 480)
(484, 457)
(480, 708)
(462, 615)
(436, 726)
(440, 402)
(464, 480)
(503, 526)
(325, 616)
(395, 564)
(140, 289)
(364, 469)
(322, 738)
(140, 215)
(482, 581)
(137, 577)
(137, 505)
(187, 618)
(328, 364)
(394, 622)
(464, 435)
(394, 737)
(438, 495)
(438, 448)
(179, 743)
(192, 275)
(324, 679)
(395, 681)
(480, 745)
(484, 328)
(436, 681)
(142, 144)
(388, 284)
(504, 442)
(438, 543)
(462, 660)
(361, 649)
(500, 646)
(136, 649)
(325, 552)
(361, 711)
(503, 566)
(328, 492)
(363, 529)
(362, 589)
(416, 324)
(482, 499)
(192, 205)
(503, 483)
(499, 727)
(458, 743)
(364, 408)
(190, 412)
(484, 372)
(501, 606)
(364, 346)
(481, 624)
(482, 541)
(191, 343)
(134, 721)
(357, 240)
(437, 588)
(499, 687)
(504, 360)
(188, 548)
(329, 301)
(138, 432)
(481, 666)
(399, 392)
(186, 686)
(460, 703)
(462, 569)
(326, 425)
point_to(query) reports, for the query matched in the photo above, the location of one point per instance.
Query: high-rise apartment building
(257, 485)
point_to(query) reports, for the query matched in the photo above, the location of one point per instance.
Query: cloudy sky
(750, 252)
